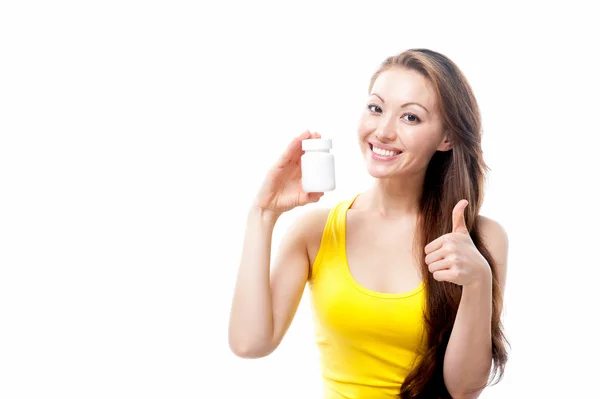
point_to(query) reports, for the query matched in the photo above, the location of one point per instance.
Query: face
(400, 128)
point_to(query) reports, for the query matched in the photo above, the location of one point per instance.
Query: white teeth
(385, 153)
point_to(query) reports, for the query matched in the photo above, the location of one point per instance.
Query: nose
(387, 129)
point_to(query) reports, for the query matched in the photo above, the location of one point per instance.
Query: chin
(382, 171)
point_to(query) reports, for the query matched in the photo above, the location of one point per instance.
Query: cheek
(365, 126)
(420, 139)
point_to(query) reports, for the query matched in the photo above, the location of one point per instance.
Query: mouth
(384, 152)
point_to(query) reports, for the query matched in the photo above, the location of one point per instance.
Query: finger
(313, 135)
(314, 197)
(306, 198)
(458, 217)
(293, 150)
(436, 256)
(435, 244)
(442, 264)
(445, 275)
(304, 135)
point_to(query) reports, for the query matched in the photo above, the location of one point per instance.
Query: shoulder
(492, 227)
(312, 222)
(311, 225)
(307, 225)
(308, 229)
(495, 238)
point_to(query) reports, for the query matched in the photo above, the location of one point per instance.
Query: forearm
(468, 357)
(251, 319)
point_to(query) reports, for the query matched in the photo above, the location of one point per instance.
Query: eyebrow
(403, 105)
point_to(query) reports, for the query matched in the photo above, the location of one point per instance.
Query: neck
(395, 197)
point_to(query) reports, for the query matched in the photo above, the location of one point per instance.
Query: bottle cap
(316, 144)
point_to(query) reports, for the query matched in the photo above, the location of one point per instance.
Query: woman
(406, 278)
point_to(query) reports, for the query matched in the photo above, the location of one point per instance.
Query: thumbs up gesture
(454, 257)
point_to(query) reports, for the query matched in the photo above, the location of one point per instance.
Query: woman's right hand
(281, 190)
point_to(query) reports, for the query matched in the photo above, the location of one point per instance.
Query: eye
(415, 117)
(374, 108)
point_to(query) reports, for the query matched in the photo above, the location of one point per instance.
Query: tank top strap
(333, 238)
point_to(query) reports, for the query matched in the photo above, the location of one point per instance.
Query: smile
(383, 154)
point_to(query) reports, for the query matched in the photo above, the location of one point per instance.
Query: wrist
(478, 293)
(263, 216)
(483, 282)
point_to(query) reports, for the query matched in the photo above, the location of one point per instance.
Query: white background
(134, 136)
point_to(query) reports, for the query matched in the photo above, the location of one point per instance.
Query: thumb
(458, 217)
(312, 197)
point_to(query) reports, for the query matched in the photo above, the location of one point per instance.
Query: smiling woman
(406, 279)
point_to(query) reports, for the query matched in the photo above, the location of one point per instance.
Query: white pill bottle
(317, 164)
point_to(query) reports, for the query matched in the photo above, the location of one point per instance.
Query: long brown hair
(451, 176)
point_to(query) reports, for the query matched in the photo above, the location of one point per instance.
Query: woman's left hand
(454, 257)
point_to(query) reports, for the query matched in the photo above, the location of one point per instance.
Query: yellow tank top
(367, 340)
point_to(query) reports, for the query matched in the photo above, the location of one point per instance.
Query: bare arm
(264, 306)
(265, 302)
(468, 357)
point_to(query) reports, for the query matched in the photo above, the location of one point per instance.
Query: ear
(446, 144)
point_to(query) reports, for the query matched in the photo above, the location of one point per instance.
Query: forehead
(399, 86)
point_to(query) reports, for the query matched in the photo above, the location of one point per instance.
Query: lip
(384, 146)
